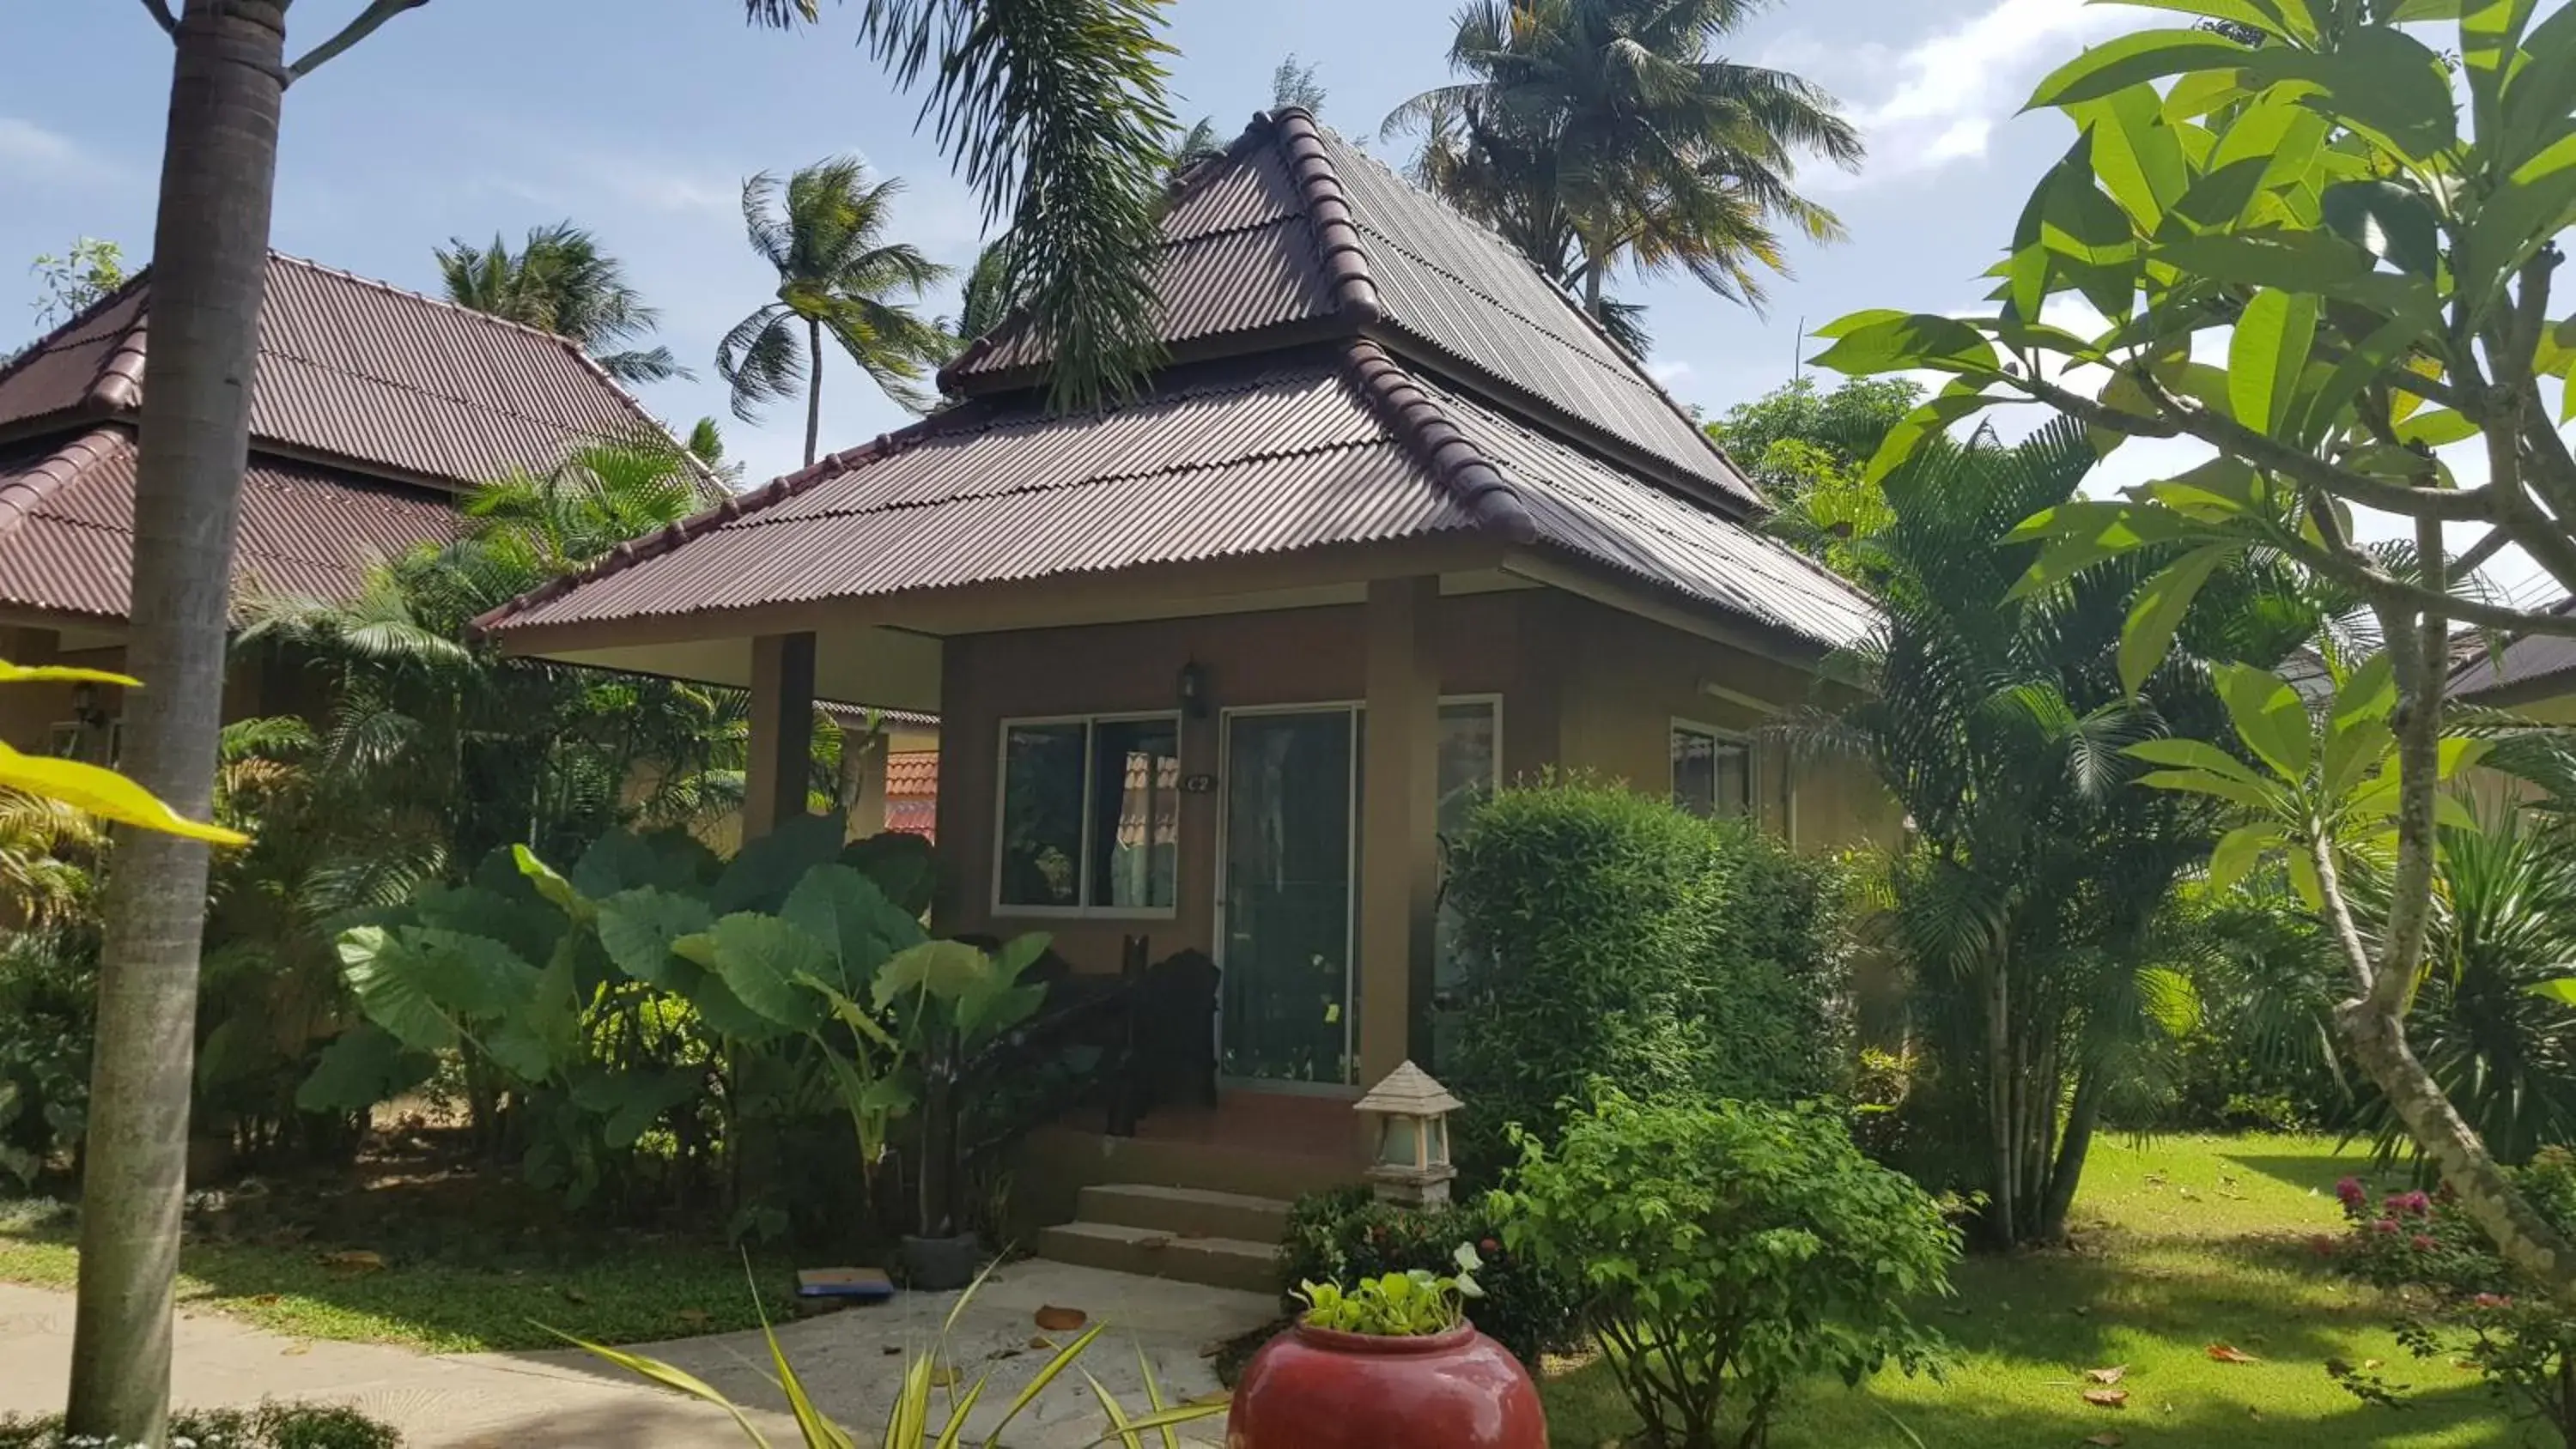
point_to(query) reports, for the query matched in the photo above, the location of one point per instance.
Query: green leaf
(1918, 340)
(768, 868)
(2304, 880)
(637, 927)
(759, 959)
(2200, 755)
(2562, 990)
(2137, 156)
(844, 910)
(2382, 80)
(946, 970)
(2292, 261)
(2148, 55)
(2239, 851)
(2149, 633)
(553, 887)
(2368, 692)
(2436, 427)
(2270, 717)
(2219, 491)
(392, 991)
(2084, 532)
(2201, 782)
(2539, 96)
(2353, 753)
(2393, 222)
(361, 1067)
(2266, 355)
(2259, 14)
(2322, 411)
(1958, 400)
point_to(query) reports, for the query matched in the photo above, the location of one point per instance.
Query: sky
(639, 119)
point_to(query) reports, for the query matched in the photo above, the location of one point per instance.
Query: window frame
(1752, 805)
(1002, 909)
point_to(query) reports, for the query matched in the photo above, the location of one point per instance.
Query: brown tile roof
(2534, 666)
(1294, 232)
(67, 525)
(352, 370)
(1343, 445)
(913, 773)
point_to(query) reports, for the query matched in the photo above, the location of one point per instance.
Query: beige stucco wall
(1583, 687)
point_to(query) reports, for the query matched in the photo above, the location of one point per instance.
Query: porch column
(863, 771)
(782, 731)
(1399, 826)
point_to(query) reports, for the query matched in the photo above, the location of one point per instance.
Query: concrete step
(1185, 1211)
(1214, 1262)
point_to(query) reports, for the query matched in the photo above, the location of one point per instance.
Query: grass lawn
(2182, 1243)
(369, 1289)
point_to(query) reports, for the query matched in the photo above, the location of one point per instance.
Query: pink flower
(2351, 1193)
(2385, 1225)
(2412, 1204)
(2322, 1245)
(2493, 1300)
(2421, 1242)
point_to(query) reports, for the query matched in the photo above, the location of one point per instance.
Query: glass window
(1042, 814)
(1712, 775)
(1090, 815)
(1136, 812)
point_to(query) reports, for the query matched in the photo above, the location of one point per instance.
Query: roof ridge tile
(1329, 215)
(22, 494)
(1454, 460)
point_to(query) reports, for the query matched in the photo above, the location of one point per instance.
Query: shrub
(1346, 1235)
(2475, 1309)
(1614, 936)
(1724, 1251)
(270, 1426)
(47, 994)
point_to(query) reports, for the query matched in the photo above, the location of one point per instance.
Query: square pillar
(863, 780)
(1399, 854)
(782, 732)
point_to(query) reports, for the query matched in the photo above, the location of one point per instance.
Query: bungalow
(1218, 666)
(374, 410)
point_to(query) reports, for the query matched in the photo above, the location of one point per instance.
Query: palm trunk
(209, 261)
(2000, 1075)
(2068, 1170)
(1592, 269)
(814, 391)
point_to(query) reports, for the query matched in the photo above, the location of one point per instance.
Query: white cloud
(1670, 373)
(1937, 101)
(30, 150)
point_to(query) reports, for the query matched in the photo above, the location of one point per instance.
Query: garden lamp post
(1411, 1163)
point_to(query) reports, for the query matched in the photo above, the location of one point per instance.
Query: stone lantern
(1411, 1162)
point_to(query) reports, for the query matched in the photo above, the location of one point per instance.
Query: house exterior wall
(1583, 687)
(28, 712)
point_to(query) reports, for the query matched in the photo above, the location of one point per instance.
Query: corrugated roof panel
(1252, 190)
(1628, 523)
(304, 529)
(361, 370)
(1212, 285)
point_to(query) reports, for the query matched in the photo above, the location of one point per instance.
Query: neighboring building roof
(67, 525)
(1297, 233)
(1329, 446)
(353, 371)
(912, 774)
(868, 716)
(2531, 667)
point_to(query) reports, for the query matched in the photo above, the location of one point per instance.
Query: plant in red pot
(1391, 1361)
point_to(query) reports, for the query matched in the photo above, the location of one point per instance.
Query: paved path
(850, 1362)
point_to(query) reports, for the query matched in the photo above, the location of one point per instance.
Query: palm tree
(824, 232)
(1596, 132)
(1070, 146)
(560, 281)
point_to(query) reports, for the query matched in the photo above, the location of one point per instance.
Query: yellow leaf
(61, 674)
(104, 793)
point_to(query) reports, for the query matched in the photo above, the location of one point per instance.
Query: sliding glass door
(1291, 797)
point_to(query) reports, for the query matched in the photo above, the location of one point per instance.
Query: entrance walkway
(850, 1362)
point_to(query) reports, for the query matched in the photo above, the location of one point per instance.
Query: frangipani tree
(2299, 191)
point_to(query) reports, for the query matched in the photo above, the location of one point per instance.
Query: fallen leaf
(2230, 1353)
(2111, 1375)
(2372, 1363)
(891, 1349)
(294, 1350)
(575, 1295)
(944, 1376)
(1042, 1343)
(1213, 1396)
(353, 1261)
(692, 1317)
(265, 1299)
(2107, 1439)
(2107, 1398)
(1152, 1241)
(2186, 1194)
(1061, 1320)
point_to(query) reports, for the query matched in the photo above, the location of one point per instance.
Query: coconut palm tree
(560, 281)
(1070, 146)
(824, 232)
(1593, 133)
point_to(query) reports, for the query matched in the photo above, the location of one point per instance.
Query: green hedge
(1610, 935)
(1346, 1235)
(270, 1426)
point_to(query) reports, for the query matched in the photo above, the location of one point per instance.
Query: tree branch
(161, 16)
(2385, 588)
(2420, 650)
(2230, 436)
(368, 22)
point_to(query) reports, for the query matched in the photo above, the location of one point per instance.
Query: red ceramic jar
(1316, 1388)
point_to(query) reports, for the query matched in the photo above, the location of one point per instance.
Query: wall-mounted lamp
(1194, 690)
